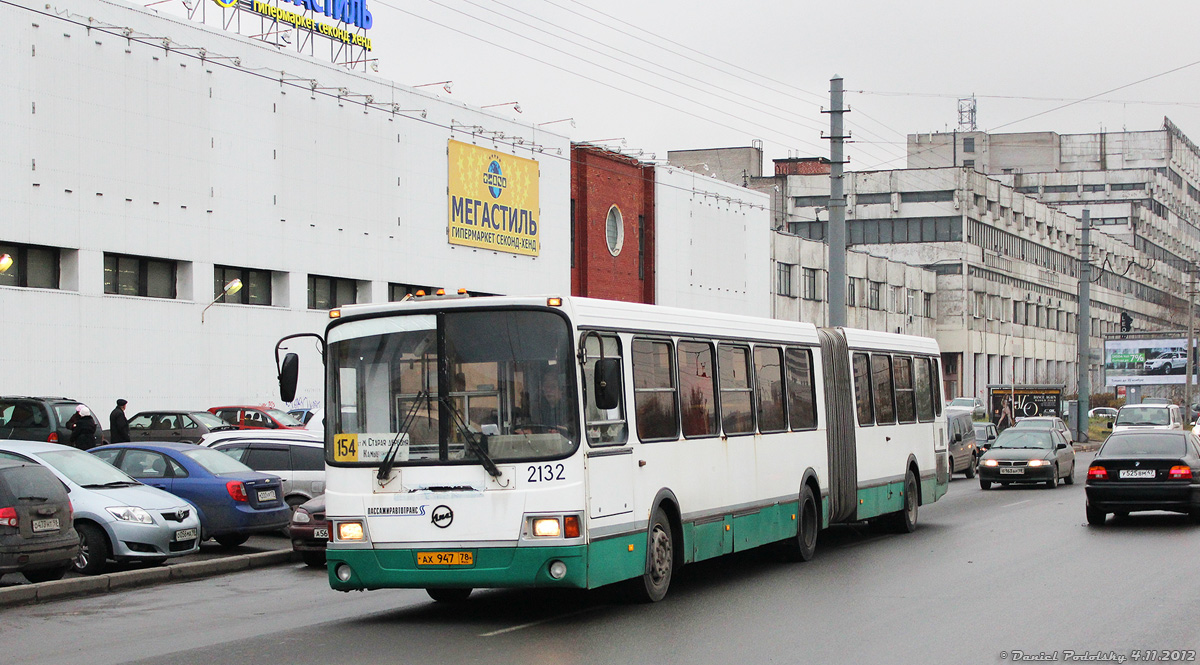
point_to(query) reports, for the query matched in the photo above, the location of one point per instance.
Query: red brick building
(612, 225)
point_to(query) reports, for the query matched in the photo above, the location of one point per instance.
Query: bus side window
(737, 397)
(654, 390)
(936, 386)
(698, 389)
(902, 373)
(604, 426)
(768, 376)
(802, 402)
(924, 393)
(862, 390)
(881, 385)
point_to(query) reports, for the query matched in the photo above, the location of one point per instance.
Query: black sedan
(1145, 470)
(1028, 455)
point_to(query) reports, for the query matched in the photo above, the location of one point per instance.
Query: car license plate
(1006, 470)
(445, 559)
(266, 495)
(321, 534)
(1137, 473)
(45, 525)
(185, 534)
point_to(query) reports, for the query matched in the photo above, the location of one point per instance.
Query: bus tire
(448, 595)
(652, 586)
(905, 521)
(803, 546)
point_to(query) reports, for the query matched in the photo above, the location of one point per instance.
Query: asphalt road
(986, 573)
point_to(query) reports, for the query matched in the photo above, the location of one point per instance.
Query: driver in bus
(547, 408)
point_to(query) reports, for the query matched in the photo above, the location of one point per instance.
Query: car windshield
(207, 419)
(1143, 417)
(980, 431)
(1171, 445)
(1029, 438)
(85, 469)
(284, 418)
(506, 383)
(962, 401)
(1042, 423)
(215, 461)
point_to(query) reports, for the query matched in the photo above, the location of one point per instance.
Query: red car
(310, 531)
(256, 417)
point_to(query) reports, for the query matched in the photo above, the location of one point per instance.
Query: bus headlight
(547, 527)
(350, 531)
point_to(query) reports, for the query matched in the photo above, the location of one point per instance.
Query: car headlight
(131, 514)
(301, 517)
(990, 462)
(1037, 462)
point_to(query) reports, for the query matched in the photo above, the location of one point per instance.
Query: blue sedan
(232, 500)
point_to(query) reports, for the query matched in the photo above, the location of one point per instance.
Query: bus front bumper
(490, 567)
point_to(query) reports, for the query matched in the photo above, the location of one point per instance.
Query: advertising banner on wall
(1144, 362)
(493, 200)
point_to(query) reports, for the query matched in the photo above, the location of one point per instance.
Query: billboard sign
(493, 200)
(1011, 403)
(1144, 362)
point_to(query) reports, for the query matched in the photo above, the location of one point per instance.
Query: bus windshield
(506, 381)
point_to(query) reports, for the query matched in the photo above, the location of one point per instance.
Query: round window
(614, 231)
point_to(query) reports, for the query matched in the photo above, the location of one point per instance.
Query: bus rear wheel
(447, 595)
(804, 545)
(660, 560)
(905, 521)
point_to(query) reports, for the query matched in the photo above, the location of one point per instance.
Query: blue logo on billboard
(354, 12)
(495, 179)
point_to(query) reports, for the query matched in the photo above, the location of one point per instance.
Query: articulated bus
(571, 442)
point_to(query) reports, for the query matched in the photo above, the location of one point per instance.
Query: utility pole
(837, 208)
(1187, 372)
(1084, 329)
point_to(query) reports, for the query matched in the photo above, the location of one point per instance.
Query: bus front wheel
(660, 560)
(905, 521)
(804, 545)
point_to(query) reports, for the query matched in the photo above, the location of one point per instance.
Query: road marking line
(1016, 504)
(536, 623)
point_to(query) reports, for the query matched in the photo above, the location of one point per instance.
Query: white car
(1172, 362)
(1148, 417)
(296, 456)
(1106, 412)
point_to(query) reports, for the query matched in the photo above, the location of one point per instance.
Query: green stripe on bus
(492, 567)
(875, 501)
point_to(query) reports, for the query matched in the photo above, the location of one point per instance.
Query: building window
(641, 247)
(810, 201)
(851, 298)
(330, 292)
(969, 163)
(1061, 189)
(256, 285)
(968, 145)
(614, 231)
(929, 305)
(1094, 188)
(810, 284)
(397, 292)
(784, 273)
(873, 294)
(127, 275)
(868, 199)
(33, 266)
(1127, 186)
(1028, 189)
(927, 197)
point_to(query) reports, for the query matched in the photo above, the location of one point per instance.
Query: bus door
(609, 457)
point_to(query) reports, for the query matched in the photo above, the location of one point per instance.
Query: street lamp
(6, 262)
(446, 85)
(231, 288)
(516, 106)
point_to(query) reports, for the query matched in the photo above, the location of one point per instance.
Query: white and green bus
(570, 442)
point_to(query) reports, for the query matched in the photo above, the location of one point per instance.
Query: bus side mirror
(289, 370)
(608, 383)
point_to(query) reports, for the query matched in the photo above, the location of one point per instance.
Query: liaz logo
(442, 517)
(495, 179)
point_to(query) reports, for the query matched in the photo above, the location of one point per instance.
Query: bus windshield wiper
(478, 447)
(389, 459)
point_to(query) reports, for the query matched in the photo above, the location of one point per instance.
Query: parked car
(1028, 455)
(297, 458)
(255, 417)
(310, 531)
(985, 436)
(1048, 422)
(116, 516)
(961, 435)
(974, 404)
(41, 419)
(1106, 412)
(303, 415)
(1147, 417)
(1144, 470)
(37, 537)
(187, 426)
(232, 500)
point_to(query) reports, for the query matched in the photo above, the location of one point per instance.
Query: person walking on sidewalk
(118, 424)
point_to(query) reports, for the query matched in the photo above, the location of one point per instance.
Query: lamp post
(516, 106)
(231, 288)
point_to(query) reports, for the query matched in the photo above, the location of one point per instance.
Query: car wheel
(804, 545)
(972, 464)
(444, 595)
(231, 539)
(1053, 482)
(93, 550)
(985, 484)
(653, 584)
(313, 559)
(46, 574)
(1070, 478)
(1095, 516)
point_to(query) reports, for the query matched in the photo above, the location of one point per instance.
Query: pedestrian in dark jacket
(83, 436)
(118, 424)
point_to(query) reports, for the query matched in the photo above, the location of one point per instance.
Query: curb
(109, 582)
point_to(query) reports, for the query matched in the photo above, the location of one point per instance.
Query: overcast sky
(669, 74)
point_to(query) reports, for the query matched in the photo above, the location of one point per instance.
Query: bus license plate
(1011, 469)
(321, 534)
(45, 525)
(266, 495)
(445, 559)
(185, 534)
(1137, 473)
